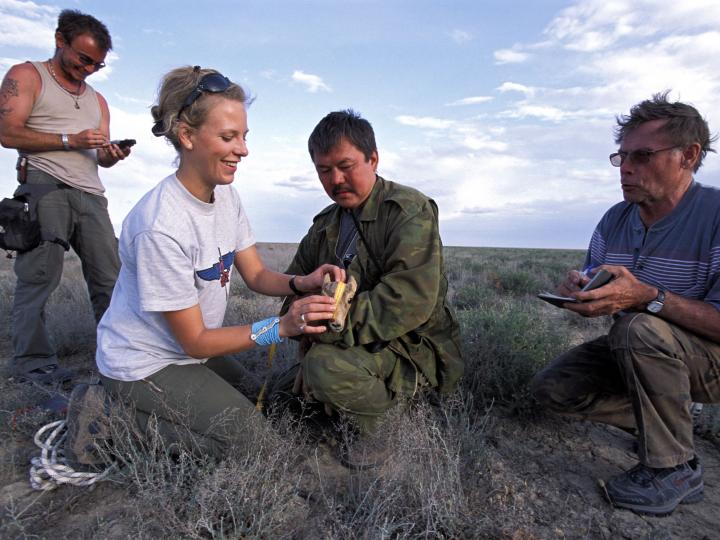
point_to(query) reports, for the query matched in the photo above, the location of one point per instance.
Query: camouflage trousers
(642, 376)
(353, 381)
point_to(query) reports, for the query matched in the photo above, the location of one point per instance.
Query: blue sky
(500, 110)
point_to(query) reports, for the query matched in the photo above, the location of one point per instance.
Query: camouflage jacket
(402, 305)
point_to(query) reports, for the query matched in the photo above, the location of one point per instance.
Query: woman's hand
(304, 312)
(314, 281)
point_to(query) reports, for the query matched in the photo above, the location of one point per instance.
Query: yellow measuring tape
(261, 395)
(338, 295)
(271, 353)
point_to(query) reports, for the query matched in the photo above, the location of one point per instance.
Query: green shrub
(518, 282)
(505, 343)
(471, 295)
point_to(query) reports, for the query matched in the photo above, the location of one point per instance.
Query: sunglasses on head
(212, 82)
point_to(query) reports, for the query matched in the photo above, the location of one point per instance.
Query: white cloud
(149, 162)
(460, 36)
(300, 183)
(27, 24)
(7, 63)
(132, 100)
(516, 87)
(634, 73)
(476, 142)
(604, 57)
(510, 56)
(104, 74)
(596, 25)
(474, 100)
(313, 83)
(543, 112)
(424, 122)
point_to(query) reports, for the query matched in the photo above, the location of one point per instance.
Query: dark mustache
(338, 189)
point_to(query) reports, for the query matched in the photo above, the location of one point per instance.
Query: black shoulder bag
(20, 228)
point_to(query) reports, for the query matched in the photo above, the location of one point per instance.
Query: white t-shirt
(171, 248)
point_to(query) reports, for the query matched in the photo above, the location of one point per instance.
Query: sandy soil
(543, 478)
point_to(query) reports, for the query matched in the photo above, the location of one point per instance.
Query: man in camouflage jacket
(400, 334)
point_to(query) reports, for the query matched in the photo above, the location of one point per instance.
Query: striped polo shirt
(679, 253)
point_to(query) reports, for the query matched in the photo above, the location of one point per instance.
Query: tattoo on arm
(9, 89)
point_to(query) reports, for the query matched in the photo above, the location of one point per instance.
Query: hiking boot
(46, 375)
(652, 491)
(364, 453)
(88, 425)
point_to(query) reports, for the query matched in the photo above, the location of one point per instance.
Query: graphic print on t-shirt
(220, 270)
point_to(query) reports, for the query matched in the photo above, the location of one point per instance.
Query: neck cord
(367, 245)
(74, 96)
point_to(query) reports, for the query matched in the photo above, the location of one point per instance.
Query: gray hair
(684, 124)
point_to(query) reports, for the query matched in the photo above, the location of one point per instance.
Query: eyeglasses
(85, 60)
(212, 82)
(637, 156)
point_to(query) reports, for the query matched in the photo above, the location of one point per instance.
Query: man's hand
(625, 291)
(314, 281)
(574, 281)
(111, 153)
(88, 138)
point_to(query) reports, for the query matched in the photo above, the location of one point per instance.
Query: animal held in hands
(343, 294)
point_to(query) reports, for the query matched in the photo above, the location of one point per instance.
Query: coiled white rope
(50, 469)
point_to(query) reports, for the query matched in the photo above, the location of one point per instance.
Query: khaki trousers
(643, 375)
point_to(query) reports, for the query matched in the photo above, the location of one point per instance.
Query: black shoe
(657, 492)
(46, 375)
(364, 453)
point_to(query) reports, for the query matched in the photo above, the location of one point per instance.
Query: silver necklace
(74, 96)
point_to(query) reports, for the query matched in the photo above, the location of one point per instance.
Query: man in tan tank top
(62, 126)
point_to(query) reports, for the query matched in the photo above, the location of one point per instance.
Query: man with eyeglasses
(60, 126)
(400, 336)
(662, 246)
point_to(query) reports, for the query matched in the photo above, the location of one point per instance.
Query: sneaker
(647, 490)
(46, 375)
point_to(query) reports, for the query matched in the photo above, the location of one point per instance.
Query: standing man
(662, 246)
(400, 334)
(61, 129)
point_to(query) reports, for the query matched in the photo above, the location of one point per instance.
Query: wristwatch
(65, 141)
(656, 305)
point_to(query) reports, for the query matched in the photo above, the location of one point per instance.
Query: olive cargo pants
(643, 375)
(196, 405)
(82, 220)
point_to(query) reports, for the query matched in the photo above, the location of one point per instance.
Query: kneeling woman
(161, 340)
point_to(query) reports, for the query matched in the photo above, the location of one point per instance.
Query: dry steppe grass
(485, 463)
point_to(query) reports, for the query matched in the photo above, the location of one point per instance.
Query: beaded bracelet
(266, 332)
